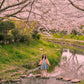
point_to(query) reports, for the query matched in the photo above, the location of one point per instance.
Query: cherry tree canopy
(51, 14)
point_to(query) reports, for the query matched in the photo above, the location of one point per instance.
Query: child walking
(44, 65)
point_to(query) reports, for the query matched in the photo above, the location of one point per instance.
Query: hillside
(16, 59)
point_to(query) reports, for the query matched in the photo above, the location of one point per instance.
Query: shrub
(9, 38)
(1, 37)
(74, 32)
(25, 38)
(35, 34)
(63, 32)
(38, 36)
(16, 34)
(5, 26)
(81, 27)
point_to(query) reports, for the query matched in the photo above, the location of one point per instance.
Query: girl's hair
(43, 57)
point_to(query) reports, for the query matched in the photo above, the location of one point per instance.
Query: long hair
(43, 56)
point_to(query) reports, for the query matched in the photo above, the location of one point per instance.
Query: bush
(9, 38)
(74, 32)
(5, 26)
(35, 35)
(25, 38)
(1, 37)
(63, 32)
(38, 36)
(16, 34)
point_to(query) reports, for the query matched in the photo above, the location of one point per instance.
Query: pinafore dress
(44, 65)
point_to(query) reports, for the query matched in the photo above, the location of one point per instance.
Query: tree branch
(18, 10)
(13, 5)
(2, 3)
(32, 13)
(30, 9)
(19, 17)
(53, 5)
(75, 5)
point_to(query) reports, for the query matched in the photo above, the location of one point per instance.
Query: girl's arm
(40, 62)
(47, 62)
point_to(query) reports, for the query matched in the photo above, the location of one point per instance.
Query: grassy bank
(76, 37)
(15, 59)
(70, 36)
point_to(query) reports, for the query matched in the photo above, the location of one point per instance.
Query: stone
(14, 74)
(75, 80)
(4, 81)
(41, 49)
(30, 75)
(66, 79)
(46, 77)
(38, 75)
(15, 80)
(23, 76)
(59, 77)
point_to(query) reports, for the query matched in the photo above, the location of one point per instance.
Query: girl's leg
(46, 71)
(43, 72)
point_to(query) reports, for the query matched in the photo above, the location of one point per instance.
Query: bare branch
(75, 5)
(19, 17)
(2, 3)
(13, 5)
(30, 9)
(18, 10)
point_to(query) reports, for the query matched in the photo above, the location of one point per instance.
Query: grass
(70, 36)
(76, 37)
(14, 56)
(58, 35)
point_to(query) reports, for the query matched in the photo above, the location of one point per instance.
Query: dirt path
(65, 39)
(70, 40)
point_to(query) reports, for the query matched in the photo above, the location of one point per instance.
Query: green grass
(16, 55)
(58, 35)
(76, 37)
(70, 36)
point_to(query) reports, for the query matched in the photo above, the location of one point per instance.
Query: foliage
(25, 38)
(35, 34)
(63, 32)
(5, 26)
(74, 32)
(54, 31)
(76, 37)
(16, 34)
(58, 35)
(38, 36)
(1, 37)
(81, 27)
(22, 27)
(9, 38)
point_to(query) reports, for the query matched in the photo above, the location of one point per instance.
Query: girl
(44, 65)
